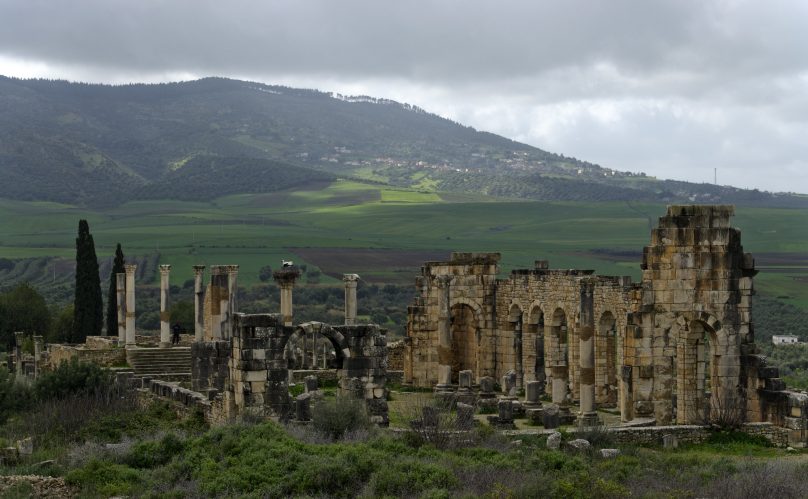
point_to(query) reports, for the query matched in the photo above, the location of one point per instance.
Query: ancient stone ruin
(677, 347)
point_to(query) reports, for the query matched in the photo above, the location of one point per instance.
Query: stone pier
(120, 290)
(350, 298)
(165, 318)
(285, 278)
(130, 268)
(586, 331)
(232, 303)
(199, 299)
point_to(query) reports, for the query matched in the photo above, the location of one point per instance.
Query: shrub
(72, 378)
(104, 478)
(409, 477)
(153, 453)
(15, 395)
(338, 416)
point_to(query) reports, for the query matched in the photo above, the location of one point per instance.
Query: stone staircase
(168, 364)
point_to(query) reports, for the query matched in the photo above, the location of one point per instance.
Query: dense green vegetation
(119, 447)
(99, 145)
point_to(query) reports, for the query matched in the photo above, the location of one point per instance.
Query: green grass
(256, 230)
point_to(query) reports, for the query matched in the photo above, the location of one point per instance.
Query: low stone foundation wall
(684, 434)
(105, 357)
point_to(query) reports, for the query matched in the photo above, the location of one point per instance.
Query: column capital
(165, 269)
(231, 269)
(199, 269)
(130, 268)
(350, 277)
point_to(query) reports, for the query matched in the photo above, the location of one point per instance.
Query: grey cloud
(672, 87)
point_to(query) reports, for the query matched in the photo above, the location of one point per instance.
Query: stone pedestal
(533, 392)
(504, 418)
(464, 391)
(465, 416)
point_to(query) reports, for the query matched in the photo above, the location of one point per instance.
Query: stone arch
(533, 345)
(606, 361)
(337, 340)
(557, 332)
(700, 346)
(465, 318)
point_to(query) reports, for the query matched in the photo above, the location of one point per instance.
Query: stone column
(130, 268)
(19, 337)
(120, 290)
(350, 281)
(518, 331)
(165, 324)
(285, 277)
(232, 303)
(445, 356)
(199, 300)
(589, 416)
(38, 343)
(218, 290)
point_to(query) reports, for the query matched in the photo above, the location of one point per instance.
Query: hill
(98, 145)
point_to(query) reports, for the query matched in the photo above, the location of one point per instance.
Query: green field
(261, 229)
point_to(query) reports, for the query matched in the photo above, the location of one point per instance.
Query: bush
(411, 477)
(104, 478)
(153, 453)
(338, 416)
(14, 395)
(72, 378)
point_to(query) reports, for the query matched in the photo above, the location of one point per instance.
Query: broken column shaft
(165, 325)
(351, 281)
(131, 268)
(232, 305)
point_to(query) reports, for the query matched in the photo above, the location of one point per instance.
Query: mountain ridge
(97, 144)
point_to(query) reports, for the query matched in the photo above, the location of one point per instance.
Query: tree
(88, 306)
(22, 309)
(265, 273)
(112, 297)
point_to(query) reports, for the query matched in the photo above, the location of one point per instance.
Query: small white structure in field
(785, 339)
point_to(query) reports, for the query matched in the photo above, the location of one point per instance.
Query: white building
(785, 339)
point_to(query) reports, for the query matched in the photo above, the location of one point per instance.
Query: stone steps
(161, 363)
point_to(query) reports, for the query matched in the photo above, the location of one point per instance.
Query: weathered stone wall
(209, 365)
(396, 352)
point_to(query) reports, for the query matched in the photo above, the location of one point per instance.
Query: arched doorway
(606, 361)
(533, 347)
(463, 330)
(696, 363)
(558, 333)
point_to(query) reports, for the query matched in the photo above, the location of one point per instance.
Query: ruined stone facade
(677, 347)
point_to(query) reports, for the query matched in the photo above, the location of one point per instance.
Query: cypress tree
(88, 306)
(112, 297)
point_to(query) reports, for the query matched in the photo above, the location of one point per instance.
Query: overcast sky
(671, 88)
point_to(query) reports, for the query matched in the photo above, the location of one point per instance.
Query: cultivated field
(382, 233)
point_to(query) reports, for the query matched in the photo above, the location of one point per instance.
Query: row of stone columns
(224, 284)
